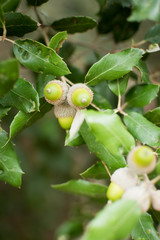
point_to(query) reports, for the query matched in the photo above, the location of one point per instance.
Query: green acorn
(55, 92)
(114, 192)
(65, 114)
(142, 159)
(79, 96)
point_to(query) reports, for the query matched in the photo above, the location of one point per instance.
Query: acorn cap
(64, 110)
(61, 96)
(141, 195)
(140, 169)
(125, 178)
(84, 102)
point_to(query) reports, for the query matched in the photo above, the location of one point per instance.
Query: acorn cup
(79, 96)
(65, 114)
(55, 92)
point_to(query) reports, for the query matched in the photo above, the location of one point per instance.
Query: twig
(106, 168)
(7, 39)
(41, 25)
(156, 179)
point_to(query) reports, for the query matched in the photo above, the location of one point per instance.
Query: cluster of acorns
(67, 100)
(133, 183)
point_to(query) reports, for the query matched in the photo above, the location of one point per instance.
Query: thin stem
(7, 39)
(64, 79)
(93, 105)
(139, 43)
(156, 179)
(106, 168)
(41, 25)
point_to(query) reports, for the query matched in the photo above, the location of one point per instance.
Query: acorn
(55, 92)
(114, 192)
(65, 114)
(142, 159)
(79, 96)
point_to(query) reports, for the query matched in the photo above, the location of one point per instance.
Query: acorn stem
(93, 105)
(64, 79)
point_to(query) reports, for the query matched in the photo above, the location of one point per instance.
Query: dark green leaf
(74, 24)
(23, 120)
(153, 116)
(114, 19)
(144, 71)
(142, 129)
(42, 80)
(145, 9)
(76, 141)
(39, 58)
(66, 51)
(113, 66)
(18, 24)
(23, 96)
(36, 2)
(141, 95)
(145, 229)
(77, 75)
(114, 222)
(57, 40)
(101, 3)
(153, 34)
(96, 171)
(71, 228)
(9, 72)
(84, 188)
(119, 86)
(9, 5)
(3, 111)
(10, 170)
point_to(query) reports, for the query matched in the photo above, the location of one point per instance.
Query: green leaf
(141, 95)
(36, 2)
(76, 141)
(9, 5)
(153, 34)
(109, 130)
(23, 120)
(100, 101)
(145, 9)
(23, 96)
(57, 40)
(84, 188)
(112, 161)
(41, 82)
(3, 111)
(10, 170)
(39, 58)
(144, 71)
(114, 222)
(74, 24)
(142, 129)
(9, 72)
(119, 86)
(18, 24)
(153, 116)
(113, 66)
(145, 229)
(96, 171)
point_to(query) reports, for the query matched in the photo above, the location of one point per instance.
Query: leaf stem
(106, 168)
(139, 43)
(64, 79)
(7, 39)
